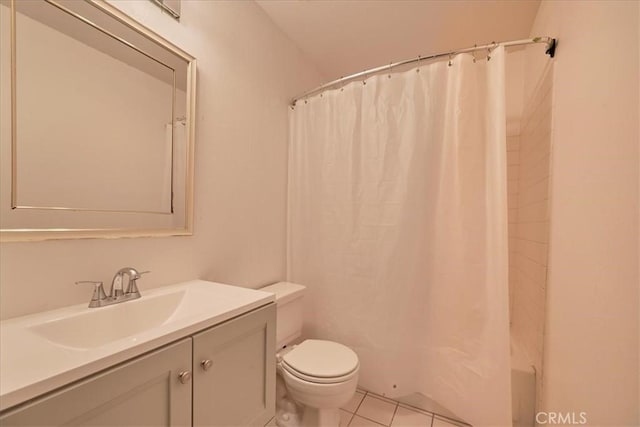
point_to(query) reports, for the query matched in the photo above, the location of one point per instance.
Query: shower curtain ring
(450, 56)
(418, 68)
(390, 69)
(489, 50)
(473, 52)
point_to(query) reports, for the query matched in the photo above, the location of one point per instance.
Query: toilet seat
(322, 362)
(318, 380)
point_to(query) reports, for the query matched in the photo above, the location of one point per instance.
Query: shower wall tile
(535, 251)
(533, 192)
(533, 272)
(533, 212)
(532, 231)
(533, 170)
(529, 225)
(513, 166)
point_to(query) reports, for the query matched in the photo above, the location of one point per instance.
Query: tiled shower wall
(513, 163)
(529, 156)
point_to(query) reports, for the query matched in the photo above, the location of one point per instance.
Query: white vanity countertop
(44, 351)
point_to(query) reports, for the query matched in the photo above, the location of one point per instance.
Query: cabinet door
(144, 391)
(238, 388)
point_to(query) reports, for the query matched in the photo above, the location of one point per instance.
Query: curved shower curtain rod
(549, 41)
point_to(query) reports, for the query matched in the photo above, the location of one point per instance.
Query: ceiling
(347, 36)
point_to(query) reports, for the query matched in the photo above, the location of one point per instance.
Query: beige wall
(247, 70)
(591, 342)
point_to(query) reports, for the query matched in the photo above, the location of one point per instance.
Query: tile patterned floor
(367, 409)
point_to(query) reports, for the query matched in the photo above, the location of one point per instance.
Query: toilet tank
(288, 311)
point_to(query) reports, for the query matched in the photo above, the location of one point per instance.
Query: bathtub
(523, 387)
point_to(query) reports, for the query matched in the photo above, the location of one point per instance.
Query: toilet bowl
(322, 376)
(319, 375)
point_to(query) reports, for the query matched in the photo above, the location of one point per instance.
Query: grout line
(416, 409)
(374, 396)
(540, 221)
(433, 415)
(360, 404)
(523, 255)
(530, 240)
(368, 419)
(532, 183)
(453, 421)
(381, 397)
(532, 186)
(350, 418)
(395, 411)
(533, 203)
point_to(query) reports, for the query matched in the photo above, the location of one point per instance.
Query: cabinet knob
(184, 376)
(206, 364)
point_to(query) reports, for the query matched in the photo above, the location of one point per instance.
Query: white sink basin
(96, 327)
(41, 352)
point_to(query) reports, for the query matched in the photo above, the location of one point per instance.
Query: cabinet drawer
(144, 391)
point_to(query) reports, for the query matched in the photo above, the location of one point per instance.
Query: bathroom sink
(99, 326)
(41, 352)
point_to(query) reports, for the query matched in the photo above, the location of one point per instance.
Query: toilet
(320, 375)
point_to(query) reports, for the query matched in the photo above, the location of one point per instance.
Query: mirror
(96, 124)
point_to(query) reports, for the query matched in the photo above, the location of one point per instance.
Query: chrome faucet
(117, 294)
(117, 290)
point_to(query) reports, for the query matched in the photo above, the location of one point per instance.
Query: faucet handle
(98, 293)
(133, 273)
(132, 287)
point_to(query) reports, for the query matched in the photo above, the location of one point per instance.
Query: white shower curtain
(398, 227)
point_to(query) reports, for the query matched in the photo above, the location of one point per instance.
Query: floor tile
(382, 397)
(345, 418)
(362, 422)
(354, 402)
(440, 422)
(413, 408)
(421, 402)
(408, 418)
(377, 410)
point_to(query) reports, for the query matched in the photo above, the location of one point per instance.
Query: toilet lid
(322, 359)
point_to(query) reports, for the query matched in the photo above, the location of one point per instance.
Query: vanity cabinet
(234, 371)
(143, 391)
(221, 376)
